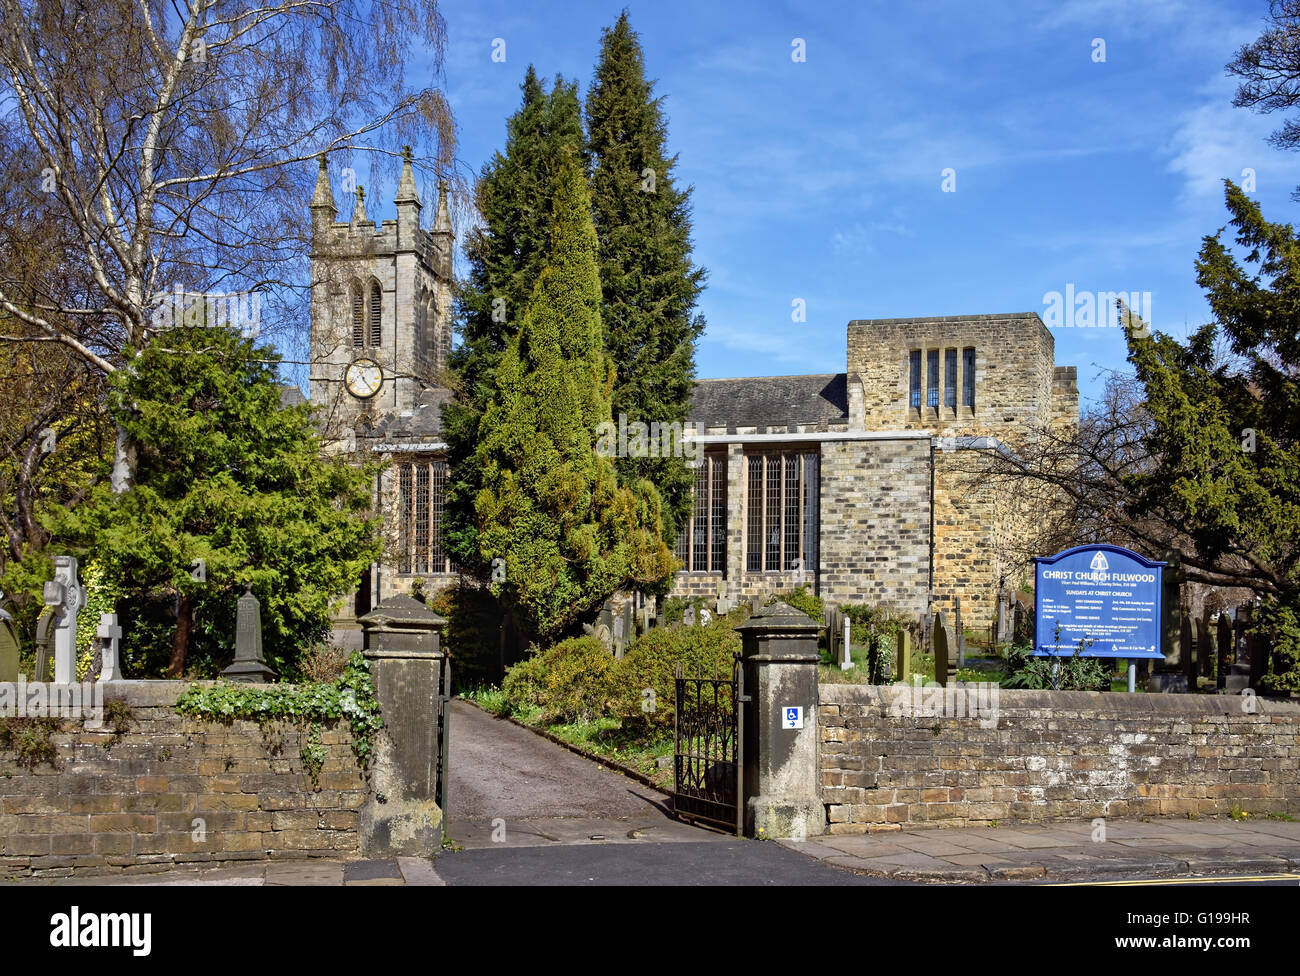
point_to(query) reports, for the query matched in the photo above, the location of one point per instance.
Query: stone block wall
(1053, 755)
(875, 523)
(126, 804)
(874, 518)
(1014, 370)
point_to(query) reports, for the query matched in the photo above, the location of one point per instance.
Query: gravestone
(903, 655)
(65, 597)
(1187, 651)
(110, 636)
(620, 635)
(1258, 659)
(1223, 641)
(688, 615)
(724, 603)
(846, 662)
(661, 613)
(44, 645)
(834, 633)
(1205, 646)
(961, 634)
(248, 665)
(945, 653)
(9, 647)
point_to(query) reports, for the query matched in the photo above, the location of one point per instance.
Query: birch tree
(177, 140)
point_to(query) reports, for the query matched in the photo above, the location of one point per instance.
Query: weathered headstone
(724, 603)
(834, 632)
(64, 596)
(903, 655)
(1205, 646)
(960, 633)
(1223, 642)
(1187, 652)
(248, 665)
(688, 615)
(44, 645)
(110, 635)
(9, 647)
(846, 663)
(620, 635)
(945, 654)
(1000, 632)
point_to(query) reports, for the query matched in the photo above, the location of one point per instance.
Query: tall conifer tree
(550, 506)
(506, 255)
(643, 223)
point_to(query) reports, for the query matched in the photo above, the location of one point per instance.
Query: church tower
(380, 309)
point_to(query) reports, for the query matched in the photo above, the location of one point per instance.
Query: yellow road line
(1173, 881)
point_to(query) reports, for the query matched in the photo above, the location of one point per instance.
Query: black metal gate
(444, 730)
(709, 756)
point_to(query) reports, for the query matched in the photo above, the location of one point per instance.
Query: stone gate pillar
(780, 736)
(404, 651)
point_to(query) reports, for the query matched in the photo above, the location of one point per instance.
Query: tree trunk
(181, 640)
(123, 477)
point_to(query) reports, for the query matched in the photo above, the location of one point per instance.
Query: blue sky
(822, 180)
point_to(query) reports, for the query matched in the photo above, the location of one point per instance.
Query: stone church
(846, 482)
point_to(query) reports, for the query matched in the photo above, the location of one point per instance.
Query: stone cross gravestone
(110, 634)
(9, 647)
(724, 602)
(249, 665)
(64, 596)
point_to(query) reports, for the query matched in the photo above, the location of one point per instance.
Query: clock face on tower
(363, 378)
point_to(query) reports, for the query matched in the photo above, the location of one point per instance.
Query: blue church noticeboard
(1104, 594)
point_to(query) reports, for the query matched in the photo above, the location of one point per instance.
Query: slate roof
(771, 401)
(290, 395)
(424, 424)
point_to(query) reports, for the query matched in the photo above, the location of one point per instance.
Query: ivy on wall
(352, 697)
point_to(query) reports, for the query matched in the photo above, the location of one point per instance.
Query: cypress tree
(506, 255)
(643, 223)
(550, 505)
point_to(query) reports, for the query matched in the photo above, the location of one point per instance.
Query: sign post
(1102, 600)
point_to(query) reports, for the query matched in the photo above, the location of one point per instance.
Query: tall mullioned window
(421, 497)
(968, 377)
(782, 528)
(950, 378)
(914, 379)
(944, 382)
(932, 378)
(376, 316)
(702, 545)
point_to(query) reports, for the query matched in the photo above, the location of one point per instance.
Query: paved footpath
(1068, 851)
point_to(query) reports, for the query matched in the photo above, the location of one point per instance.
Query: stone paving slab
(1043, 852)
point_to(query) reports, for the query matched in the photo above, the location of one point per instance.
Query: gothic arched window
(376, 315)
(358, 316)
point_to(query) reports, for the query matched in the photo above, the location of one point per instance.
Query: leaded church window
(782, 506)
(702, 545)
(421, 498)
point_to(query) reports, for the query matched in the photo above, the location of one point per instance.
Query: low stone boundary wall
(173, 789)
(1041, 755)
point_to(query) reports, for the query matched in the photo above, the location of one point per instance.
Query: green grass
(603, 736)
